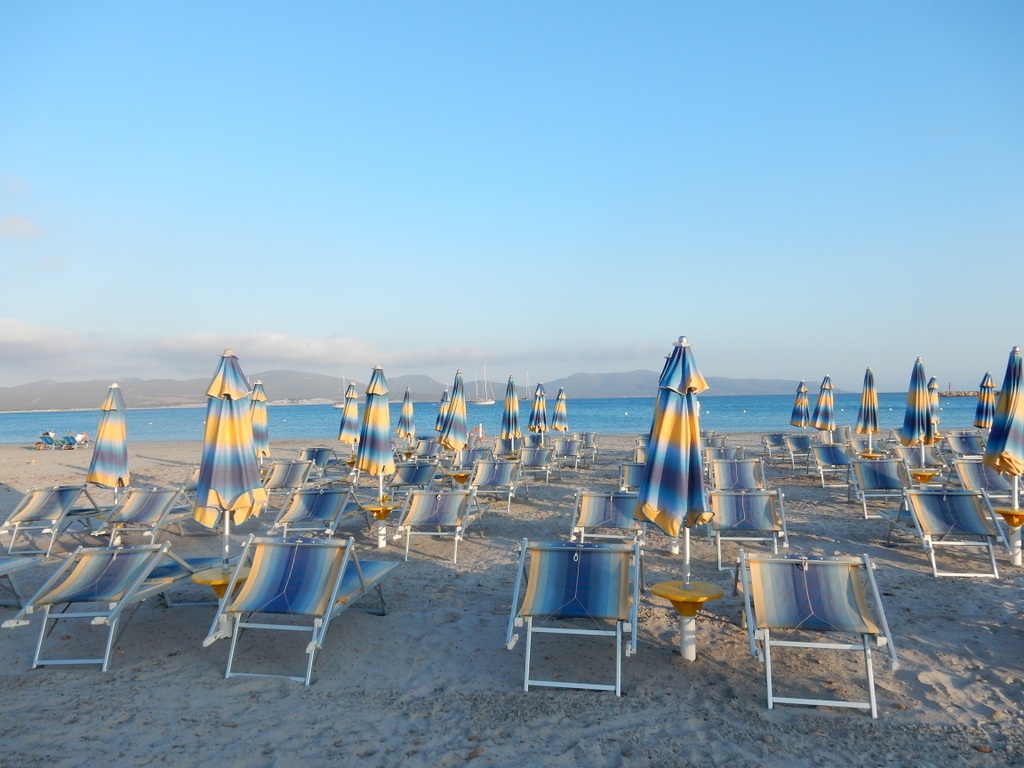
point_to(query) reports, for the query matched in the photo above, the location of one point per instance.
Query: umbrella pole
(1015, 538)
(382, 524)
(227, 540)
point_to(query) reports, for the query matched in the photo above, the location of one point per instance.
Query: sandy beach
(432, 684)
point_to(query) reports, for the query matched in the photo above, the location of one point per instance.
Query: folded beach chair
(438, 513)
(747, 515)
(294, 585)
(139, 511)
(947, 518)
(799, 447)
(317, 511)
(100, 585)
(630, 475)
(737, 474)
(833, 460)
(9, 566)
(878, 480)
(284, 477)
(47, 512)
(790, 600)
(497, 478)
(535, 463)
(582, 589)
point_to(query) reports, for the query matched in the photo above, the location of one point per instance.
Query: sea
(610, 416)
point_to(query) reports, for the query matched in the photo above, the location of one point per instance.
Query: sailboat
(487, 396)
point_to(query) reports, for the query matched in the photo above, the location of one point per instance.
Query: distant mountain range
(298, 387)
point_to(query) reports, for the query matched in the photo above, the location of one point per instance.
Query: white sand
(431, 683)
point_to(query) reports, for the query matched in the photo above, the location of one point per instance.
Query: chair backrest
(965, 445)
(756, 510)
(436, 507)
(798, 443)
(505, 446)
(426, 447)
(536, 458)
(45, 504)
(734, 474)
(413, 473)
(713, 441)
(287, 474)
(726, 452)
(321, 505)
(320, 456)
(467, 457)
(975, 476)
(589, 440)
(913, 455)
(532, 440)
(142, 506)
(587, 580)
(103, 574)
(830, 455)
(494, 473)
(630, 475)
(942, 512)
(774, 439)
(880, 474)
(596, 509)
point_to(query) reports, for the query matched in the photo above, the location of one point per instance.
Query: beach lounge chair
(972, 475)
(47, 442)
(878, 480)
(294, 585)
(535, 463)
(722, 453)
(711, 439)
(747, 515)
(410, 476)
(576, 589)
(606, 516)
(737, 474)
(799, 447)
(497, 478)
(630, 475)
(437, 513)
(773, 443)
(426, 448)
(964, 446)
(467, 457)
(833, 460)
(912, 457)
(286, 476)
(11, 565)
(590, 444)
(790, 600)
(946, 518)
(139, 511)
(568, 452)
(317, 511)
(46, 512)
(100, 584)
(321, 458)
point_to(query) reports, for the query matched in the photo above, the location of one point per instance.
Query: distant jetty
(950, 393)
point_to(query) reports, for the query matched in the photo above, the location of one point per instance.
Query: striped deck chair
(788, 600)
(535, 463)
(799, 447)
(46, 512)
(11, 565)
(498, 478)
(100, 584)
(945, 518)
(317, 511)
(834, 460)
(411, 476)
(608, 516)
(747, 515)
(630, 475)
(568, 452)
(975, 476)
(437, 513)
(282, 583)
(284, 477)
(878, 480)
(737, 474)
(321, 456)
(139, 511)
(589, 589)
(467, 457)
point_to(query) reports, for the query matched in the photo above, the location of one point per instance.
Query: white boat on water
(484, 395)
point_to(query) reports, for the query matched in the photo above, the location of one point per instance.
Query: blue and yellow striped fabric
(559, 415)
(290, 578)
(867, 416)
(805, 593)
(606, 510)
(745, 511)
(109, 464)
(942, 513)
(801, 408)
(539, 412)
(578, 581)
(984, 412)
(824, 413)
(348, 430)
(933, 404)
(436, 508)
(229, 478)
(374, 455)
(45, 504)
(672, 491)
(442, 409)
(406, 422)
(918, 428)
(258, 414)
(510, 414)
(100, 576)
(454, 435)
(1004, 451)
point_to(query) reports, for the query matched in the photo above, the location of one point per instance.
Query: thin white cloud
(19, 228)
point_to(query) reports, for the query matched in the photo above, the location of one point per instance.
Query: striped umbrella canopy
(801, 408)
(454, 435)
(867, 416)
(374, 455)
(539, 413)
(406, 423)
(1004, 451)
(918, 428)
(933, 404)
(229, 488)
(672, 492)
(559, 416)
(348, 431)
(258, 414)
(109, 464)
(986, 408)
(442, 409)
(510, 414)
(824, 410)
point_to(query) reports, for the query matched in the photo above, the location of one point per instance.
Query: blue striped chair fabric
(46, 511)
(878, 480)
(736, 474)
(952, 519)
(441, 513)
(317, 510)
(747, 515)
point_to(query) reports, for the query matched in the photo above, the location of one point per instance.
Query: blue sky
(801, 188)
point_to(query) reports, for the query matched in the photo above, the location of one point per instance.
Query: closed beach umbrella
(986, 408)
(1004, 451)
(109, 465)
(258, 413)
(824, 418)
(539, 413)
(442, 409)
(406, 424)
(801, 408)
(672, 491)
(933, 404)
(559, 416)
(918, 428)
(510, 414)
(453, 435)
(229, 488)
(348, 431)
(867, 416)
(374, 455)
